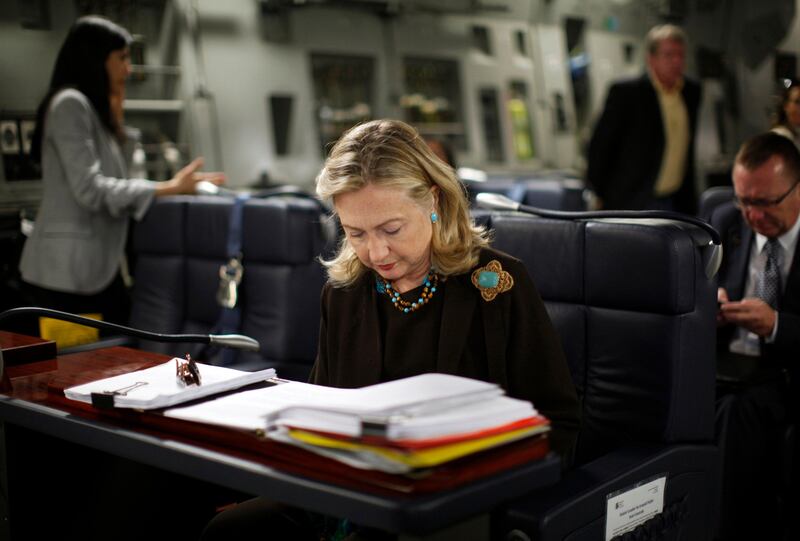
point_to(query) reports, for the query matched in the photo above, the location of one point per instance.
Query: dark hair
(756, 151)
(780, 112)
(81, 64)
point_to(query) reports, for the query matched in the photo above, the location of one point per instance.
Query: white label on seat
(625, 510)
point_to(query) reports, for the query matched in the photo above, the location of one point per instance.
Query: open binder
(158, 387)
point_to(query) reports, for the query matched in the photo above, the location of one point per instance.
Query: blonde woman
(415, 288)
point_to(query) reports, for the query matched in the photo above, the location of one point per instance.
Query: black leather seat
(179, 248)
(635, 310)
(546, 191)
(565, 194)
(711, 198)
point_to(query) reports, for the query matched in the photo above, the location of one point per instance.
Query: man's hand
(751, 313)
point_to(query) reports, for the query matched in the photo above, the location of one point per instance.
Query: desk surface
(34, 403)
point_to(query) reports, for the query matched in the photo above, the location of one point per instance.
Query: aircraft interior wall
(248, 77)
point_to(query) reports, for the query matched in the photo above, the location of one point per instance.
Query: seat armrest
(575, 508)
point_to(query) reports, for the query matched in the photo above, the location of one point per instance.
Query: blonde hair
(663, 32)
(391, 153)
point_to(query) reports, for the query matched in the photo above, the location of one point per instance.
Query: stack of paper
(396, 427)
(158, 387)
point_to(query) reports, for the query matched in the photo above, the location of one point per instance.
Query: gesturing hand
(187, 178)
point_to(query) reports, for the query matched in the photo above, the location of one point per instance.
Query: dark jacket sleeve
(319, 372)
(604, 145)
(536, 367)
(787, 339)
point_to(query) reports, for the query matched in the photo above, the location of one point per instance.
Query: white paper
(626, 510)
(248, 410)
(454, 418)
(158, 387)
(452, 403)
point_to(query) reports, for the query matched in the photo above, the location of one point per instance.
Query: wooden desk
(240, 461)
(21, 349)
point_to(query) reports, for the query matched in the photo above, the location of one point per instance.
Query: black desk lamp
(237, 341)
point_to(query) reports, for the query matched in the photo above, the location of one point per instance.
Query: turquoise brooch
(492, 280)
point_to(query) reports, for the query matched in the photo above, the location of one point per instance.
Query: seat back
(553, 194)
(711, 199)
(179, 248)
(546, 192)
(635, 311)
(499, 185)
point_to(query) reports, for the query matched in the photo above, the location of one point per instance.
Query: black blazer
(737, 241)
(627, 146)
(523, 351)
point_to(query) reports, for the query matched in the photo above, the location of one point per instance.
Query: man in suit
(759, 333)
(641, 155)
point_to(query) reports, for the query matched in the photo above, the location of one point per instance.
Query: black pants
(63, 490)
(262, 519)
(113, 302)
(750, 425)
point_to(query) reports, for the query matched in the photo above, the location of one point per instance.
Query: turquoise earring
(434, 217)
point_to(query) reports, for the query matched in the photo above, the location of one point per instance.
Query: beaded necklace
(430, 283)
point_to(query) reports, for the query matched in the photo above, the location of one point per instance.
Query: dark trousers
(259, 518)
(750, 425)
(113, 302)
(62, 490)
(263, 519)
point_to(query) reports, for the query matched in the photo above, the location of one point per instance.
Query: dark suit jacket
(627, 146)
(523, 351)
(737, 241)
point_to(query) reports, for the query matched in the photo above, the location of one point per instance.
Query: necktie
(769, 284)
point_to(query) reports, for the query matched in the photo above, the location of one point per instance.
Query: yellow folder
(424, 458)
(67, 334)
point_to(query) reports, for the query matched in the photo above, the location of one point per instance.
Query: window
(432, 99)
(521, 128)
(521, 42)
(481, 39)
(579, 65)
(343, 94)
(492, 133)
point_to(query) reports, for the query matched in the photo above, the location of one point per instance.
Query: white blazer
(82, 224)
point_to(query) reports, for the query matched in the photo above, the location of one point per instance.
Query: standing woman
(787, 117)
(72, 261)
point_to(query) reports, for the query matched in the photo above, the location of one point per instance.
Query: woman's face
(118, 67)
(390, 233)
(792, 107)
